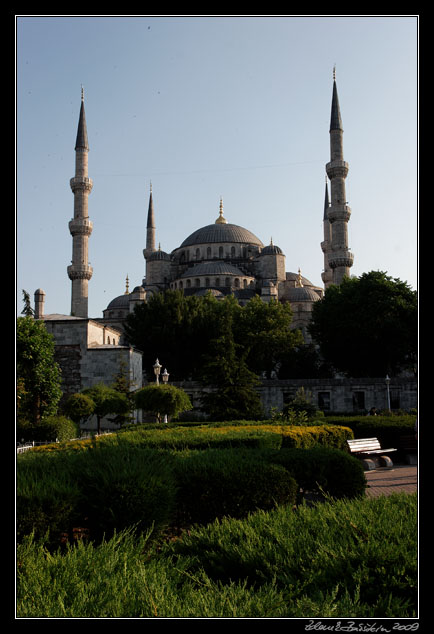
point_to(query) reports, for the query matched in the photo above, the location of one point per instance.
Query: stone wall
(334, 395)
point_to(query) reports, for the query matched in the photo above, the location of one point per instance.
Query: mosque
(221, 258)
(224, 258)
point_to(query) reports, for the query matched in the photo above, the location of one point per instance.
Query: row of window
(218, 283)
(198, 254)
(324, 400)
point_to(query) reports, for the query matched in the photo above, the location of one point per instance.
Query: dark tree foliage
(367, 326)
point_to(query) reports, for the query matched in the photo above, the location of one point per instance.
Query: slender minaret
(327, 274)
(340, 259)
(150, 227)
(80, 226)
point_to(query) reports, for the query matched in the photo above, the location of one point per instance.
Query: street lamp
(165, 376)
(388, 391)
(157, 369)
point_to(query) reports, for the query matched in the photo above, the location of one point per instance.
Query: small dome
(120, 302)
(158, 255)
(271, 249)
(204, 291)
(302, 294)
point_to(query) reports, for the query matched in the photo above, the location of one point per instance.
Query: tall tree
(367, 326)
(38, 375)
(233, 394)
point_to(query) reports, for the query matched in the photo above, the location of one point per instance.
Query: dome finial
(221, 220)
(299, 282)
(127, 286)
(82, 92)
(334, 72)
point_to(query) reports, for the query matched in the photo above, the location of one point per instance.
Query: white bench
(370, 451)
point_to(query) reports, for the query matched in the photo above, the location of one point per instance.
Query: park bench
(370, 451)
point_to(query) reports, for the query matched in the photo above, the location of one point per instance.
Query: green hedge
(231, 482)
(49, 429)
(323, 470)
(388, 429)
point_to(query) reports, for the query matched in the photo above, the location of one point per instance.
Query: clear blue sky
(210, 106)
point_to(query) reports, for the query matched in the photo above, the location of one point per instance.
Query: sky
(210, 107)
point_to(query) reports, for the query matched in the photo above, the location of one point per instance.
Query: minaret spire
(80, 227)
(340, 259)
(327, 274)
(150, 227)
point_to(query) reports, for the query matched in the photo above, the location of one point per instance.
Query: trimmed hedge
(387, 429)
(323, 470)
(49, 429)
(216, 483)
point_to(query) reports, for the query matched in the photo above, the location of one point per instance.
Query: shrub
(124, 485)
(224, 482)
(51, 428)
(322, 469)
(47, 497)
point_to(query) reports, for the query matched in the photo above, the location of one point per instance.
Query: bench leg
(368, 464)
(385, 461)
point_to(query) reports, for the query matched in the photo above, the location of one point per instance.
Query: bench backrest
(364, 444)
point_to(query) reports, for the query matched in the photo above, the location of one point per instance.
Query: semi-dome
(212, 268)
(221, 232)
(272, 249)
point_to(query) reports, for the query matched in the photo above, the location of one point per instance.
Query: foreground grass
(346, 558)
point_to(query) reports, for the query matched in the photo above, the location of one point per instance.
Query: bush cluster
(50, 428)
(132, 479)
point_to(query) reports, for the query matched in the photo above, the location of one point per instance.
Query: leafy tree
(38, 375)
(106, 400)
(367, 326)
(264, 331)
(79, 406)
(161, 400)
(233, 394)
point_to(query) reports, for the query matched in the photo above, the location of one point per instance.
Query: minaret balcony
(339, 213)
(337, 169)
(80, 226)
(80, 272)
(81, 183)
(341, 258)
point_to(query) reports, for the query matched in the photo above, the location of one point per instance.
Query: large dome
(221, 233)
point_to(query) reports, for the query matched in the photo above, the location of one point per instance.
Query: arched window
(227, 281)
(220, 252)
(181, 285)
(207, 281)
(188, 283)
(208, 252)
(217, 281)
(197, 282)
(237, 283)
(245, 283)
(197, 254)
(232, 252)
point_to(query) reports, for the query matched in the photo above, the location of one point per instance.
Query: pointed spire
(127, 286)
(81, 140)
(326, 200)
(151, 218)
(335, 119)
(221, 220)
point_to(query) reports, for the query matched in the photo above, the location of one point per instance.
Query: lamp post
(165, 377)
(388, 391)
(157, 369)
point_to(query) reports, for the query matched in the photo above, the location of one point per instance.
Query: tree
(38, 375)
(106, 401)
(27, 310)
(263, 329)
(233, 394)
(79, 406)
(161, 400)
(367, 326)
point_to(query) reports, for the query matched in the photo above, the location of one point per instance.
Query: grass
(346, 558)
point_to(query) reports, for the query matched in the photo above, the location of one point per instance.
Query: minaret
(150, 228)
(340, 259)
(327, 275)
(80, 226)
